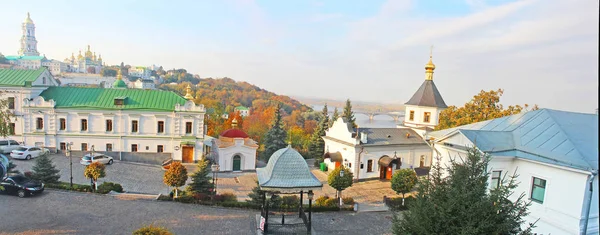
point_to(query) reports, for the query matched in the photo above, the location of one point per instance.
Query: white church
(129, 124)
(233, 150)
(376, 153)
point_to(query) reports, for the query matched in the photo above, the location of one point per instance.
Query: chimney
(363, 137)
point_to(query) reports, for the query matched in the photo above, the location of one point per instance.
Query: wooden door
(388, 174)
(382, 171)
(187, 154)
(237, 163)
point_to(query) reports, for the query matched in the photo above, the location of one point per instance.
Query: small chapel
(376, 153)
(234, 150)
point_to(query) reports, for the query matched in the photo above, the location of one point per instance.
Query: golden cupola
(188, 93)
(28, 20)
(80, 56)
(429, 67)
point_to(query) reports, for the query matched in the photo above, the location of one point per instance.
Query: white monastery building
(555, 155)
(128, 124)
(376, 153)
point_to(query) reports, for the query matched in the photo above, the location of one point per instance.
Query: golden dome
(28, 20)
(188, 93)
(79, 57)
(430, 65)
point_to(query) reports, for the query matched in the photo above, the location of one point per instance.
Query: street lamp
(68, 154)
(310, 198)
(340, 192)
(215, 170)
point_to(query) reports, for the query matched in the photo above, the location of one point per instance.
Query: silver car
(98, 157)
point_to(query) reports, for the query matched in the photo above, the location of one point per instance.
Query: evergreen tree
(276, 136)
(44, 170)
(11, 168)
(316, 147)
(459, 202)
(348, 114)
(201, 181)
(334, 117)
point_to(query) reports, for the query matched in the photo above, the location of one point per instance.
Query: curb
(137, 163)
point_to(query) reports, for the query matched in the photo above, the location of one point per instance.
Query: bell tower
(28, 41)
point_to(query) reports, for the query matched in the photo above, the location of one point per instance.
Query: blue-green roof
(103, 98)
(286, 169)
(19, 77)
(241, 108)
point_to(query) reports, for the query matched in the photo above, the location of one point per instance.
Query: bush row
(226, 200)
(104, 188)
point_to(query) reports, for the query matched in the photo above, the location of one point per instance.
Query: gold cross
(431, 51)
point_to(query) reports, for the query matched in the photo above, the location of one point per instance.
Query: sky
(539, 52)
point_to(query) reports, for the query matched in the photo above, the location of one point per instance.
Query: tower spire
(234, 123)
(429, 67)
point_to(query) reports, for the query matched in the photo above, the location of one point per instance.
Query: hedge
(395, 203)
(104, 188)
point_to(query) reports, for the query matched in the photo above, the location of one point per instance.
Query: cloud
(325, 17)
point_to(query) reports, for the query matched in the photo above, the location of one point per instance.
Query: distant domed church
(234, 150)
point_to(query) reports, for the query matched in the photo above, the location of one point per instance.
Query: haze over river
(363, 120)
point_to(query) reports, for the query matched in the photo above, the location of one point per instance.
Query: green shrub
(106, 187)
(330, 202)
(229, 197)
(185, 199)
(66, 186)
(290, 202)
(396, 203)
(152, 230)
(201, 196)
(348, 200)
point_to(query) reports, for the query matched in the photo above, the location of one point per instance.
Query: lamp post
(310, 198)
(340, 192)
(94, 186)
(68, 154)
(268, 196)
(215, 170)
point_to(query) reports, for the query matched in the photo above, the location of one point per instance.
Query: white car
(98, 157)
(28, 152)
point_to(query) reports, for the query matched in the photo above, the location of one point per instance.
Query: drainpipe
(362, 148)
(588, 202)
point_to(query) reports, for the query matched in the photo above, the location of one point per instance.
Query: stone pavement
(58, 212)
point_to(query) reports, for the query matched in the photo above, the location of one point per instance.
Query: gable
(45, 79)
(25, 77)
(340, 130)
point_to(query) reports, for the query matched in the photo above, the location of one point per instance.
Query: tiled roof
(286, 169)
(390, 136)
(558, 137)
(427, 95)
(19, 77)
(102, 98)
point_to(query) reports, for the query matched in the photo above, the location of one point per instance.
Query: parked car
(21, 186)
(28, 152)
(98, 157)
(7, 146)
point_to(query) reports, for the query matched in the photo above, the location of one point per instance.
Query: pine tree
(334, 117)
(459, 202)
(348, 114)
(11, 168)
(276, 136)
(316, 147)
(201, 181)
(44, 170)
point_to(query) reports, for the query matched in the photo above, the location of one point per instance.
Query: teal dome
(119, 84)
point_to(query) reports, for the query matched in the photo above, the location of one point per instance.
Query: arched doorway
(237, 163)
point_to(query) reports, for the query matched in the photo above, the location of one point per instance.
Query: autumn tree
(175, 176)
(275, 138)
(484, 106)
(349, 114)
(94, 171)
(457, 200)
(403, 181)
(317, 145)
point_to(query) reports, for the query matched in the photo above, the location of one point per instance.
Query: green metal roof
(19, 77)
(241, 108)
(103, 98)
(119, 84)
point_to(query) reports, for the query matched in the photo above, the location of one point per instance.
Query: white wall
(560, 213)
(420, 114)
